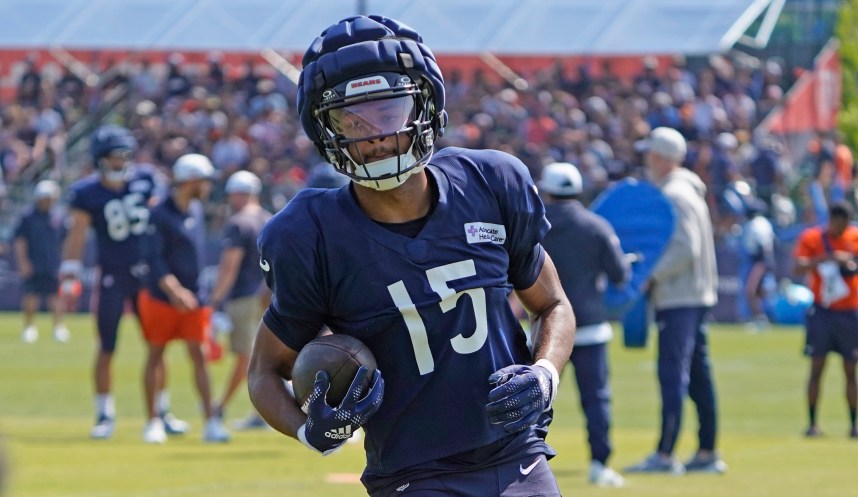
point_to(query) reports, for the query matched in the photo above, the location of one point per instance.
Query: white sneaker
(174, 425)
(103, 428)
(215, 432)
(603, 476)
(61, 333)
(30, 334)
(154, 432)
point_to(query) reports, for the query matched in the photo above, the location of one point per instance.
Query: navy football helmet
(112, 141)
(367, 79)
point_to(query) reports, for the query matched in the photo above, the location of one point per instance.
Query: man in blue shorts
(416, 258)
(115, 203)
(38, 240)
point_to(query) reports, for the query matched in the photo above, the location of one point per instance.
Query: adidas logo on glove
(340, 433)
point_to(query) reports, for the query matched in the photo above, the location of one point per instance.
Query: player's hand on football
(520, 394)
(327, 428)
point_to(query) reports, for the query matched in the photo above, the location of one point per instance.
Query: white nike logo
(403, 487)
(264, 265)
(526, 471)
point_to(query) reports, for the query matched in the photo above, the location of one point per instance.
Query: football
(340, 356)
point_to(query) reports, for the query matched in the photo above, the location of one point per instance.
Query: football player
(415, 257)
(115, 203)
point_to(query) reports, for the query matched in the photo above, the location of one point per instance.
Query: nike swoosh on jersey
(403, 487)
(264, 265)
(526, 471)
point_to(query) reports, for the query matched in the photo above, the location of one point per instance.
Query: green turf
(46, 411)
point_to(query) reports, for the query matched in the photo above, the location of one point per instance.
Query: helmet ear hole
(440, 122)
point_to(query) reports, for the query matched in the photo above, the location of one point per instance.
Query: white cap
(666, 142)
(46, 189)
(192, 166)
(243, 182)
(727, 140)
(561, 179)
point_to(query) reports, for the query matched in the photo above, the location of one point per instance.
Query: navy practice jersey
(118, 217)
(433, 309)
(174, 244)
(241, 231)
(43, 233)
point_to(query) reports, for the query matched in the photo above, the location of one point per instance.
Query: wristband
(302, 437)
(555, 378)
(71, 267)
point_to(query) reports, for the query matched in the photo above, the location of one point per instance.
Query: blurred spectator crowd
(586, 115)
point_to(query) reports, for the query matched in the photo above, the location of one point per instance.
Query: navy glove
(327, 428)
(521, 394)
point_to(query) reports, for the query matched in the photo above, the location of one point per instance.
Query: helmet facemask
(115, 174)
(377, 130)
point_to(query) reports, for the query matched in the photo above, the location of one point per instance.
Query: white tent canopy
(502, 27)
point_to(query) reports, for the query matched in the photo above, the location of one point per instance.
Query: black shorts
(40, 284)
(831, 331)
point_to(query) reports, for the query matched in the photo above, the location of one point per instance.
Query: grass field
(46, 411)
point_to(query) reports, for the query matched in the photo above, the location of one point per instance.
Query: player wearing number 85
(114, 202)
(416, 258)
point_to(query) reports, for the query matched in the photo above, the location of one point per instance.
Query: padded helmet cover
(359, 46)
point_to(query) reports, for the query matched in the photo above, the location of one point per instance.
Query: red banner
(813, 102)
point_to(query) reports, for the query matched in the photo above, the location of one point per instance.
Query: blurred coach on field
(38, 242)
(585, 250)
(239, 282)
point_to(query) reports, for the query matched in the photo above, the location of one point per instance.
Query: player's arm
(520, 393)
(230, 262)
(74, 244)
(615, 263)
(25, 267)
(271, 363)
(180, 297)
(270, 366)
(552, 319)
(806, 258)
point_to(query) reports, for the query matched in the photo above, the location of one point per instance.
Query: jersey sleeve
(232, 236)
(289, 261)
(152, 249)
(612, 257)
(20, 228)
(524, 217)
(77, 200)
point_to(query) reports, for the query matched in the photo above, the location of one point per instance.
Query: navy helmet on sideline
(367, 79)
(111, 141)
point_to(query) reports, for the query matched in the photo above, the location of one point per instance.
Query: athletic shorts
(245, 314)
(162, 323)
(831, 331)
(116, 288)
(528, 476)
(40, 284)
